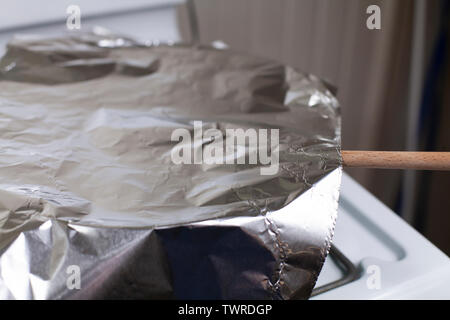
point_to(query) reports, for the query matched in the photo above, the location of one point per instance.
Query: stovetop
(376, 255)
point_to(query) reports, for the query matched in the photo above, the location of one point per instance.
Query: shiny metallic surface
(86, 177)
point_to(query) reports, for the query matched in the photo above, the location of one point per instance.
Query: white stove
(383, 257)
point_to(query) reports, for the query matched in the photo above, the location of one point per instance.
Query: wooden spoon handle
(397, 160)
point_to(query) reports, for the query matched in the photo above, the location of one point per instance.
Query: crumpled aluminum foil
(86, 177)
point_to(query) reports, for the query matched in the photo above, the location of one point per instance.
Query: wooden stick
(397, 160)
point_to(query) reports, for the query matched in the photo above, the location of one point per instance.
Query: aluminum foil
(88, 187)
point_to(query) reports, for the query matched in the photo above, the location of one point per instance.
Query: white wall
(142, 19)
